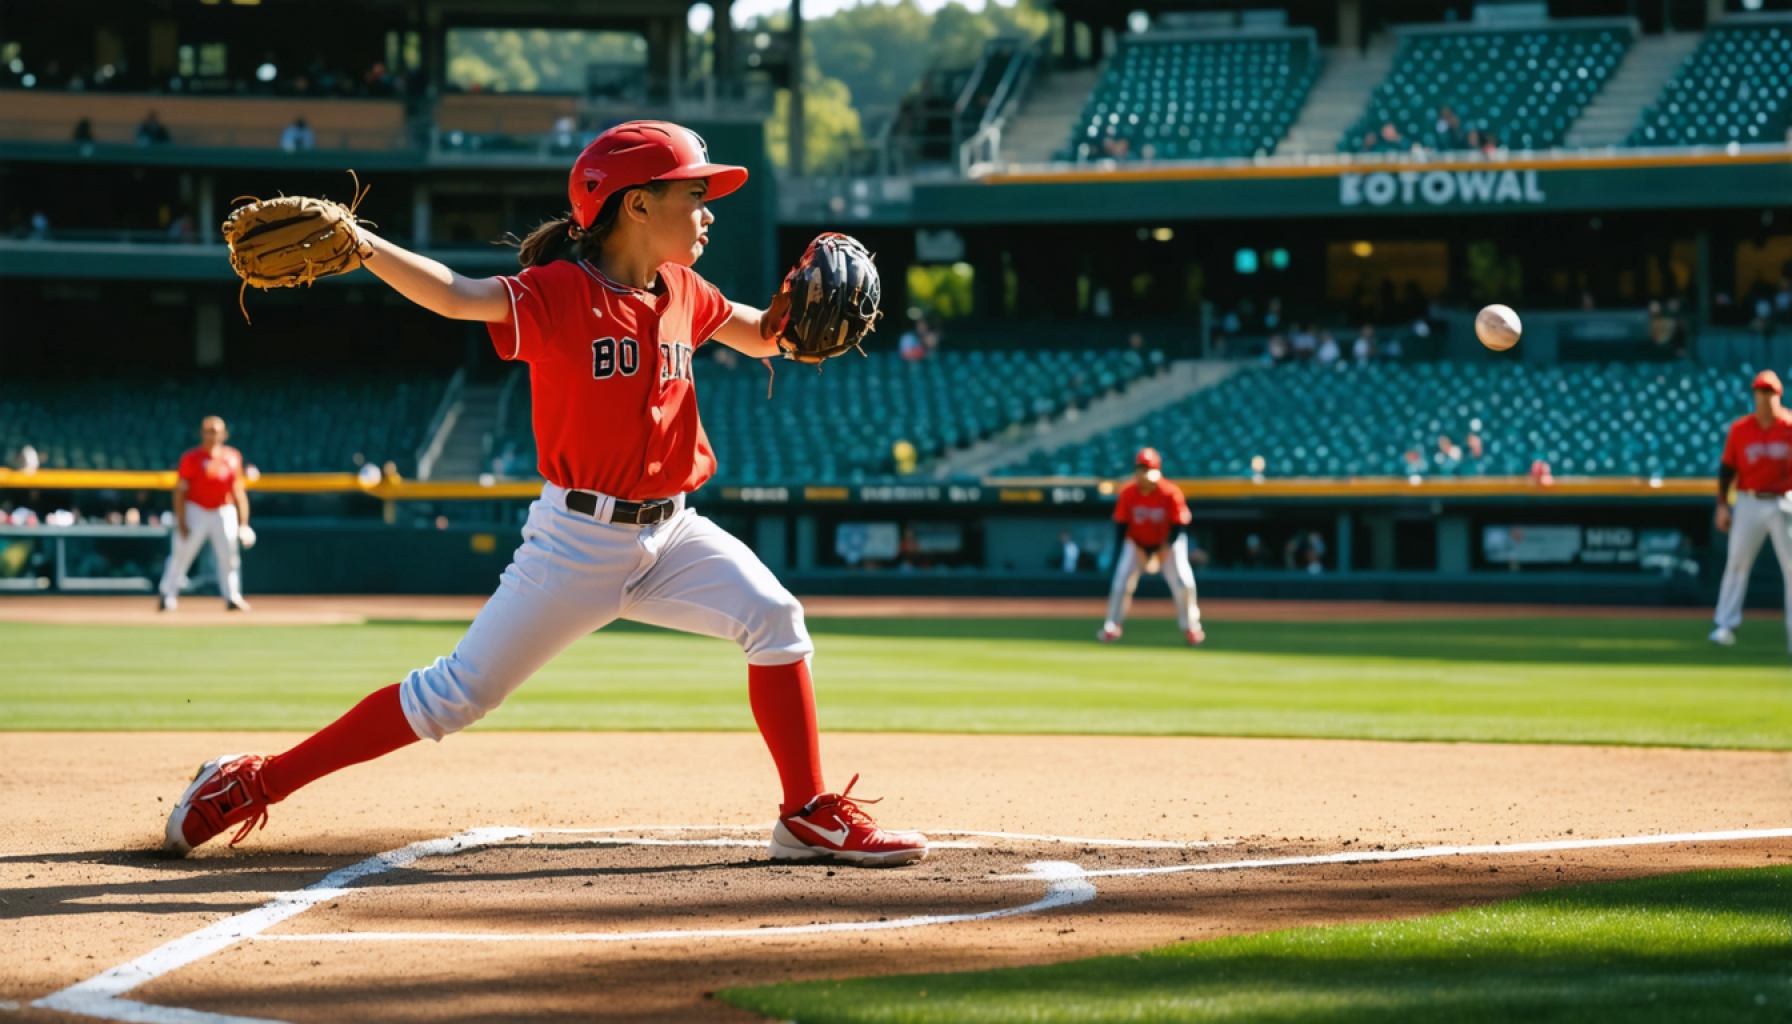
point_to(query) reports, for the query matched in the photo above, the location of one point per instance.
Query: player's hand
(180, 528)
(1723, 518)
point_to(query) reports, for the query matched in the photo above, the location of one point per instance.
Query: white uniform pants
(1130, 564)
(574, 575)
(1754, 520)
(216, 526)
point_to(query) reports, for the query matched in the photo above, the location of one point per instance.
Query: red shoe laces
(240, 773)
(849, 810)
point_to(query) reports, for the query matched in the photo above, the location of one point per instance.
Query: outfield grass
(1558, 679)
(1710, 946)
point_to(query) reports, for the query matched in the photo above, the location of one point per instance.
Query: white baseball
(1498, 327)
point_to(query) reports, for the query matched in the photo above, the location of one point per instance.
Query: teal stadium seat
(1583, 419)
(1191, 99)
(1735, 87)
(839, 425)
(281, 425)
(1526, 86)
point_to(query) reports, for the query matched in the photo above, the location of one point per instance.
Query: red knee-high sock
(784, 706)
(371, 728)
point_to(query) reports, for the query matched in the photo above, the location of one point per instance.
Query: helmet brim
(723, 178)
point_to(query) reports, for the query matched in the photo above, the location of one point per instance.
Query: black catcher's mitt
(827, 303)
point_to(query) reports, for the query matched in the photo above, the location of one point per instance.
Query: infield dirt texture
(623, 873)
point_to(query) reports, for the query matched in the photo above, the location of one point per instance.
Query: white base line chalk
(1431, 852)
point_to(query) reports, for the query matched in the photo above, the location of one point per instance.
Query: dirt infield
(626, 876)
(355, 609)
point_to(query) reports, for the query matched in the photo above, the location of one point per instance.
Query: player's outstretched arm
(741, 333)
(435, 287)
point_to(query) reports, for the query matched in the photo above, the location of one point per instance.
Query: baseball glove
(293, 240)
(827, 303)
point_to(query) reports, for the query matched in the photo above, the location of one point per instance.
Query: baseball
(1498, 327)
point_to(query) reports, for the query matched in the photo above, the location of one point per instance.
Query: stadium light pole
(796, 88)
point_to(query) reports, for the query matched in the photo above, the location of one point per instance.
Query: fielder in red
(1150, 535)
(607, 313)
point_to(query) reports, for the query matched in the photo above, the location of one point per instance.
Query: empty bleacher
(839, 425)
(1583, 419)
(284, 424)
(1736, 87)
(1188, 98)
(1526, 86)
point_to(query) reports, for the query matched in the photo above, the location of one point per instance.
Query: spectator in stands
(27, 462)
(1476, 449)
(1448, 128)
(1305, 552)
(1449, 453)
(909, 346)
(566, 131)
(298, 137)
(1304, 341)
(1328, 352)
(151, 132)
(1272, 314)
(1255, 555)
(84, 130)
(1363, 348)
(40, 227)
(1276, 351)
(1661, 330)
(182, 228)
(1068, 553)
(1389, 137)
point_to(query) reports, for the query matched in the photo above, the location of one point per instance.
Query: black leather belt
(628, 513)
(1765, 495)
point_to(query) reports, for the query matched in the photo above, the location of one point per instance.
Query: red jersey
(610, 375)
(211, 478)
(1761, 456)
(1148, 517)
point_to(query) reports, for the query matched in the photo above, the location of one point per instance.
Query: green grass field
(1710, 946)
(1557, 679)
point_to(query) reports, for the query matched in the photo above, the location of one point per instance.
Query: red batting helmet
(1149, 459)
(637, 152)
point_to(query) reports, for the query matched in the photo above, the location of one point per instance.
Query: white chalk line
(1031, 837)
(1433, 852)
(101, 995)
(1066, 884)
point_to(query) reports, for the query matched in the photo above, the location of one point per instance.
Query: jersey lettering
(675, 361)
(610, 356)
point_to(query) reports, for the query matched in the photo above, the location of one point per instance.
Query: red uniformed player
(210, 506)
(607, 313)
(1150, 532)
(1757, 458)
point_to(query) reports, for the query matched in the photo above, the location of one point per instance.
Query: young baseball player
(606, 313)
(1757, 458)
(1150, 523)
(210, 506)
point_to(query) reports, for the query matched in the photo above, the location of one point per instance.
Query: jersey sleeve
(1123, 507)
(188, 469)
(531, 316)
(1732, 457)
(1179, 506)
(710, 309)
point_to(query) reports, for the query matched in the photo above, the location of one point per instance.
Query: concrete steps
(1652, 60)
(463, 452)
(1041, 127)
(1338, 98)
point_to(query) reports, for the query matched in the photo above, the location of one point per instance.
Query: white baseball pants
(1752, 521)
(216, 526)
(574, 575)
(1129, 565)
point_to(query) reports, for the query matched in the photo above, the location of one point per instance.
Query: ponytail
(560, 238)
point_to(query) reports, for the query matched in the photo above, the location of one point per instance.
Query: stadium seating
(1736, 87)
(1525, 86)
(1182, 99)
(280, 424)
(1583, 419)
(839, 425)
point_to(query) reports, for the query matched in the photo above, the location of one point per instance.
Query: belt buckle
(655, 513)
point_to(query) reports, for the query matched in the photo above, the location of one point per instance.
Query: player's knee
(776, 630)
(448, 696)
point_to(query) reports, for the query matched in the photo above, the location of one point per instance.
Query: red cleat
(1108, 634)
(835, 826)
(226, 791)
(1195, 637)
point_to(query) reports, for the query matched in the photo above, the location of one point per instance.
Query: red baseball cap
(1149, 459)
(637, 152)
(1767, 380)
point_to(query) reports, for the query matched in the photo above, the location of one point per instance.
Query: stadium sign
(1440, 188)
